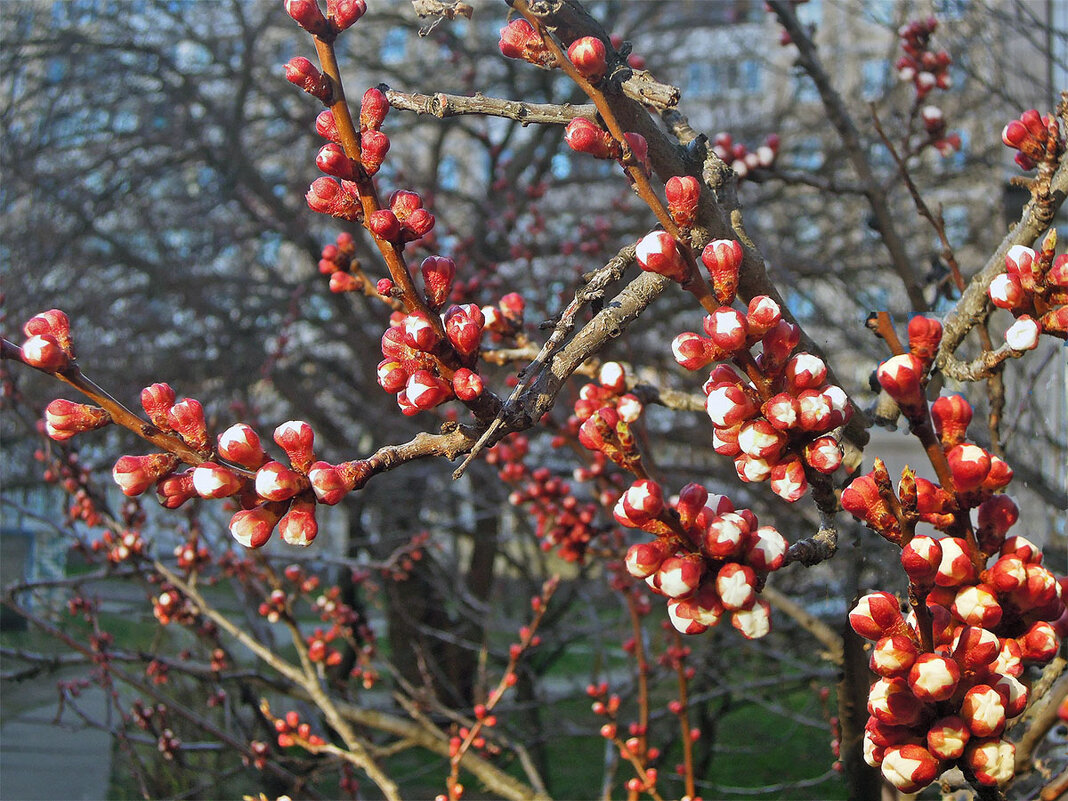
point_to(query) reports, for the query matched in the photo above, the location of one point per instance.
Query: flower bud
(779, 343)
(969, 465)
(211, 480)
(890, 701)
(467, 384)
(643, 501)
(893, 656)
(1023, 334)
(679, 576)
(736, 586)
(418, 224)
(947, 737)
(788, 480)
(975, 648)
(877, 615)
(419, 332)
(977, 605)
(519, 40)
(241, 445)
(698, 612)
(951, 415)
(297, 439)
(691, 501)
(344, 13)
(925, 335)
(584, 136)
(298, 526)
(326, 127)
(64, 419)
(823, 455)
(425, 391)
(956, 568)
(693, 351)
(729, 405)
(805, 371)
(991, 761)
(52, 323)
(306, 14)
(276, 482)
(683, 193)
(384, 225)
(933, 677)
(373, 148)
(727, 329)
(909, 768)
(463, 327)
(1007, 292)
(658, 253)
(723, 259)
(725, 440)
(754, 622)
(135, 474)
(327, 196)
(44, 352)
(301, 72)
(438, 275)
(815, 411)
(983, 711)
(1013, 694)
(920, 559)
(187, 419)
(1055, 321)
(175, 489)
(328, 483)
(725, 536)
(644, 558)
(763, 314)
(332, 160)
(1039, 643)
(902, 378)
(766, 549)
(252, 527)
(588, 54)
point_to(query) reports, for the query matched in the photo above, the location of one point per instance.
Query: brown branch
(443, 105)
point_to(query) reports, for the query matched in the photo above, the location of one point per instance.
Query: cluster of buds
(292, 732)
(404, 221)
(521, 41)
(171, 606)
(708, 559)
(157, 672)
(944, 698)
(742, 160)
(584, 136)
(63, 467)
(274, 606)
(925, 68)
(635, 747)
(340, 15)
(192, 555)
(1036, 137)
(118, 547)
(772, 432)
(258, 751)
(604, 413)
(1034, 288)
(340, 263)
(48, 344)
(934, 124)
(319, 649)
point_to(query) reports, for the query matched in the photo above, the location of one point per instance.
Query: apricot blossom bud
(384, 225)
(135, 474)
(788, 480)
(463, 327)
(736, 586)
(298, 526)
(613, 377)
(969, 465)
(893, 655)
(211, 480)
(754, 622)
(1055, 322)
(909, 767)
(723, 259)
(44, 352)
(252, 527)
(643, 501)
(977, 605)
(725, 536)
(301, 72)
(815, 410)
(805, 371)
(327, 196)
(438, 274)
(951, 415)
(644, 558)
(983, 711)
(344, 13)
(691, 501)
(328, 483)
(991, 761)
(925, 335)
(175, 489)
(762, 315)
(726, 327)
(419, 332)
(693, 351)
(276, 482)
(297, 439)
(186, 418)
(425, 390)
(306, 14)
(332, 160)
(729, 405)
(467, 384)
(683, 193)
(1007, 292)
(902, 378)
(53, 323)
(975, 647)
(766, 549)
(64, 419)
(1023, 334)
(877, 615)
(326, 127)
(658, 253)
(698, 612)
(956, 568)
(823, 455)
(891, 701)
(519, 40)
(1039, 643)
(588, 54)
(584, 136)
(779, 342)
(373, 148)
(920, 559)
(241, 445)
(947, 737)
(679, 576)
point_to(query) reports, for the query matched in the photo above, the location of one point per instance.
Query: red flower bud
(276, 482)
(951, 415)
(425, 391)
(902, 378)
(135, 474)
(642, 501)
(187, 419)
(328, 483)
(644, 558)
(729, 405)
(698, 612)
(766, 549)
(44, 352)
(326, 127)
(816, 412)
(925, 335)
(252, 527)
(933, 677)
(241, 445)
(157, 401)
(1006, 291)
(736, 586)
(53, 323)
(211, 480)
(373, 148)
(877, 615)
(693, 351)
(306, 14)
(588, 54)
(384, 224)
(947, 737)
(521, 41)
(333, 161)
(1023, 334)
(327, 196)
(759, 439)
(723, 259)
(584, 136)
(910, 768)
(893, 656)
(344, 13)
(969, 465)
(679, 576)
(991, 761)
(977, 605)
(463, 327)
(301, 72)
(467, 384)
(805, 371)
(755, 622)
(823, 454)
(438, 275)
(175, 489)
(297, 439)
(920, 558)
(64, 419)
(725, 536)
(727, 328)
(788, 479)
(956, 568)
(298, 526)
(419, 223)
(779, 342)
(683, 193)
(983, 710)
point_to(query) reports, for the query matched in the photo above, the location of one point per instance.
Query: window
(750, 76)
(873, 78)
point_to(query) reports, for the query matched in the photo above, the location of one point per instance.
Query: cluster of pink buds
(771, 432)
(157, 671)
(521, 41)
(707, 559)
(604, 412)
(192, 555)
(950, 672)
(340, 14)
(742, 160)
(934, 123)
(340, 263)
(924, 67)
(404, 221)
(48, 344)
(274, 606)
(1036, 137)
(584, 136)
(118, 547)
(258, 751)
(170, 606)
(1034, 288)
(319, 649)
(292, 732)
